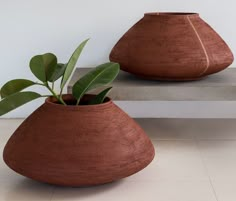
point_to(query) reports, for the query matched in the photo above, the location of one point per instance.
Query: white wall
(30, 27)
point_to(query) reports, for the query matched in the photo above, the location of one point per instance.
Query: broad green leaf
(100, 97)
(72, 62)
(16, 100)
(100, 76)
(15, 86)
(37, 67)
(43, 66)
(50, 64)
(58, 72)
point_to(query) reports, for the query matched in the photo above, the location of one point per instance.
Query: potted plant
(74, 139)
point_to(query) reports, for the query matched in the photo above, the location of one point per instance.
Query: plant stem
(54, 94)
(59, 98)
(78, 101)
(61, 92)
(53, 86)
(40, 84)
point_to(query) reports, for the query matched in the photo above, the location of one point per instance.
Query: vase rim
(53, 102)
(173, 14)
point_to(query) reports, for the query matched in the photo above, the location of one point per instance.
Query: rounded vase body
(172, 46)
(78, 145)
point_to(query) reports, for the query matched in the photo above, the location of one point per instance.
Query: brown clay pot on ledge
(78, 145)
(172, 46)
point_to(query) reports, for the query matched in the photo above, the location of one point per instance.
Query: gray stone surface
(127, 87)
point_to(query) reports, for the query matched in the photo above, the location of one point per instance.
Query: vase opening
(171, 14)
(71, 101)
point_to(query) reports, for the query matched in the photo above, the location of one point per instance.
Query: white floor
(195, 161)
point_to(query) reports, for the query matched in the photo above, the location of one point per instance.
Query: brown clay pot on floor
(172, 46)
(78, 145)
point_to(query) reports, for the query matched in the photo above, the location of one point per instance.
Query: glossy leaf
(58, 72)
(50, 64)
(16, 100)
(15, 86)
(43, 66)
(100, 76)
(37, 67)
(100, 97)
(72, 62)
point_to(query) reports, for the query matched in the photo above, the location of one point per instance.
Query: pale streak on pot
(203, 47)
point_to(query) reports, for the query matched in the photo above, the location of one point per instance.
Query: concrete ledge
(217, 87)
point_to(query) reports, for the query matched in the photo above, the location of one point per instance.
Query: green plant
(47, 69)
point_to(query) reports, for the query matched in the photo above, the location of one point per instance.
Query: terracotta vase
(78, 145)
(172, 46)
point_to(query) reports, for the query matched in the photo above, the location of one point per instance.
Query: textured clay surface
(172, 46)
(78, 145)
